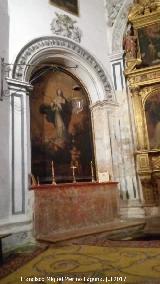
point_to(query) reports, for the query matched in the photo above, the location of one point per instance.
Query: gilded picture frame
(70, 6)
(149, 44)
(152, 115)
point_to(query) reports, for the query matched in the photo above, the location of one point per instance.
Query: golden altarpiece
(142, 70)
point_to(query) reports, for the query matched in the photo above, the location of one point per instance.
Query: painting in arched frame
(60, 128)
(152, 111)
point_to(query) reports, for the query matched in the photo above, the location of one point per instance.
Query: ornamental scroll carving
(50, 43)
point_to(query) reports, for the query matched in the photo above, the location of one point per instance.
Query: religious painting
(152, 111)
(149, 43)
(70, 6)
(60, 129)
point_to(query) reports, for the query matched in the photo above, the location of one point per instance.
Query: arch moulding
(65, 52)
(120, 26)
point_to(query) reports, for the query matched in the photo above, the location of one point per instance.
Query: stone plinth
(69, 210)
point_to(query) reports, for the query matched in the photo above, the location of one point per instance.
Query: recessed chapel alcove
(61, 99)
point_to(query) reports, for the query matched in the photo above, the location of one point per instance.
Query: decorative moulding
(47, 44)
(120, 26)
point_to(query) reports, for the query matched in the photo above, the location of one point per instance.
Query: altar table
(65, 211)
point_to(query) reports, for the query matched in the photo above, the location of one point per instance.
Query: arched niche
(61, 130)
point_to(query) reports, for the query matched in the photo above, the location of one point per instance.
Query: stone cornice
(18, 85)
(104, 104)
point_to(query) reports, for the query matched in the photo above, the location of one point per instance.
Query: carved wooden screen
(142, 62)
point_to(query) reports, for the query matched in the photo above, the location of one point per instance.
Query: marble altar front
(65, 211)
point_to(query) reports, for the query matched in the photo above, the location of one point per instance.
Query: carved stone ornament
(113, 8)
(120, 26)
(65, 26)
(55, 42)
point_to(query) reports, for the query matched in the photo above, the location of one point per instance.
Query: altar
(65, 211)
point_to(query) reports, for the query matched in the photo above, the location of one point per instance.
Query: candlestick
(92, 172)
(73, 172)
(53, 174)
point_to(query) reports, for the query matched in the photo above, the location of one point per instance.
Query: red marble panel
(69, 210)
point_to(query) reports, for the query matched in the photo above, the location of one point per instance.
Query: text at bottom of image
(106, 279)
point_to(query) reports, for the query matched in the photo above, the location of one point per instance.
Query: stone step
(119, 227)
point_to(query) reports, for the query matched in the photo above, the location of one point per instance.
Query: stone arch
(120, 26)
(65, 52)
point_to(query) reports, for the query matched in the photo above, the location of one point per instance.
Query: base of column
(16, 223)
(132, 209)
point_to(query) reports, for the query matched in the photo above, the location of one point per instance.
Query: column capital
(135, 90)
(17, 85)
(116, 56)
(103, 105)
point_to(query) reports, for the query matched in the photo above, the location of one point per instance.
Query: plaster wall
(32, 19)
(4, 119)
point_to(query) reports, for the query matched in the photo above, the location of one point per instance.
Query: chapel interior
(80, 141)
